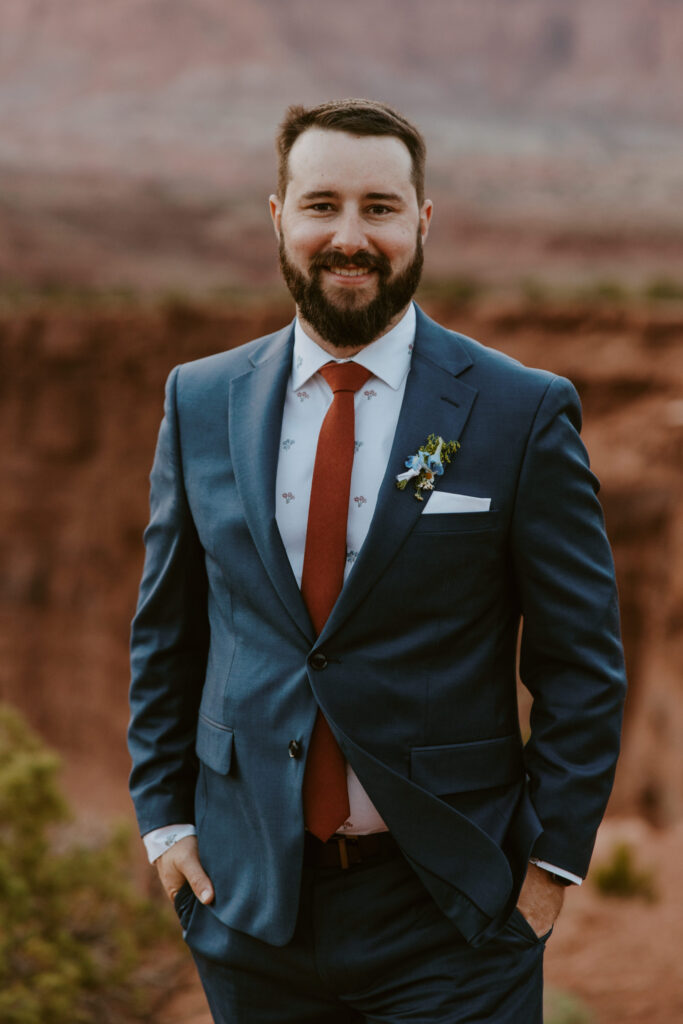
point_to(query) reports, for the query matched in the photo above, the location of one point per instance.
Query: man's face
(350, 233)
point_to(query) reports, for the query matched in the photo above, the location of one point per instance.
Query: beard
(341, 323)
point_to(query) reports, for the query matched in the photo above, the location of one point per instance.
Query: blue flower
(434, 462)
(426, 464)
(416, 462)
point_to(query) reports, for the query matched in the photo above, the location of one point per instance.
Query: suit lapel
(255, 421)
(435, 402)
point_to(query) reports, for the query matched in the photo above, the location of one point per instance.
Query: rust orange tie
(325, 794)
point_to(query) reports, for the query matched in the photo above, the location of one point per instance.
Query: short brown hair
(357, 117)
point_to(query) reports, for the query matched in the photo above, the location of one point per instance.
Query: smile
(349, 271)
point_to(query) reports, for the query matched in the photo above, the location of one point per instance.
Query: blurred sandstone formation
(136, 153)
(136, 137)
(80, 402)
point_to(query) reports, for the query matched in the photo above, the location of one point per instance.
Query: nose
(349, 233)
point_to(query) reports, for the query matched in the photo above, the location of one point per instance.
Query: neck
(346, 351)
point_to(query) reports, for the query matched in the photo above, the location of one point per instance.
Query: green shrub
(619, 876)
(460, 290)
(604, 290)
(664, 289)
(72, 929)
(534, 291)
(562, 1008)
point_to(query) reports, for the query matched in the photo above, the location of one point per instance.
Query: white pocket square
(442, 501)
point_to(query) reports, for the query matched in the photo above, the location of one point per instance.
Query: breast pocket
(458, 522)
(455, 556)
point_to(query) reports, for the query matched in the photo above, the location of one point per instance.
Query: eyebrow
(331, 194)
(320, 194)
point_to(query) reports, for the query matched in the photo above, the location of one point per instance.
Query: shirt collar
(387, 358)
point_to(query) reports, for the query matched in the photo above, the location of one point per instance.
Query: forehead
(323, 159)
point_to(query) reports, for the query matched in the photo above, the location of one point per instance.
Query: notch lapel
(255, 422)
(435, 402)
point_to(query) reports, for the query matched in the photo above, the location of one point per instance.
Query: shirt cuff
(159, 840)
(576, 879)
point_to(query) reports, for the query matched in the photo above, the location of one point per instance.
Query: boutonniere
(427, 464)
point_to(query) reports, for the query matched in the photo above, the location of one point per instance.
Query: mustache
(338, 261)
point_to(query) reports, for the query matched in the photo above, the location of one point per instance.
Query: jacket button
(294, 749)
(318, 661)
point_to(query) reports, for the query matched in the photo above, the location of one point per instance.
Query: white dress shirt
(377, 406)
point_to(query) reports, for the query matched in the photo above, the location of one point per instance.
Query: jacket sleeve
(571, 655)
(169, 642)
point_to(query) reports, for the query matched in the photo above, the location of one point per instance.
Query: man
(324, 652)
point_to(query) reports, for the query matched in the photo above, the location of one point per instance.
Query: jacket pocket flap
(460, 767)
(214, 744)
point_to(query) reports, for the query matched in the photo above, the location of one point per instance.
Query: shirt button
(294, 748)
(318, 661)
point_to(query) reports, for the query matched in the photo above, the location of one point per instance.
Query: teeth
(348, 272)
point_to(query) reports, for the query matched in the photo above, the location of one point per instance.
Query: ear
(275, 213)
(426, 218)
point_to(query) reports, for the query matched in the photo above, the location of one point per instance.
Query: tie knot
(345, 376)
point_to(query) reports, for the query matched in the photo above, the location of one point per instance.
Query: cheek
(304, 239)
(400, 245)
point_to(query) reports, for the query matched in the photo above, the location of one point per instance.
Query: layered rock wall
(80, 402)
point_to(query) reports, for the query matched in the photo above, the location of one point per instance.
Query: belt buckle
(343, 852)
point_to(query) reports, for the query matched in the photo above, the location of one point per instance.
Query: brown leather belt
(345, 851)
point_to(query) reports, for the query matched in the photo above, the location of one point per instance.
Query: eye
(320, 207)
(379, 210)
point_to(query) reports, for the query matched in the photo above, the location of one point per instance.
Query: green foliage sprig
(619, 876)
(72, 929)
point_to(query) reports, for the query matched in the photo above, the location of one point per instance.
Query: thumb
(199, 881)
(181, 864)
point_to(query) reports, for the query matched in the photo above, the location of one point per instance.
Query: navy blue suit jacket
(419, 676)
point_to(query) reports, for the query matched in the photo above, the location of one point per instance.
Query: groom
(349, 520)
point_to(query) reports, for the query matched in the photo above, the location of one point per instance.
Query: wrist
(559, 880)
(559, 875)
(159, 840)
